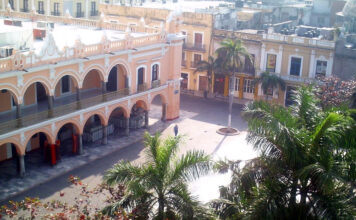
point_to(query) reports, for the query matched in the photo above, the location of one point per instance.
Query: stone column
(127, 126)
(146, 119)
(48, 10)
(17, 8)
(79, 106)
(86, 9)
(311, 65)
(263, 58)
(164, 112)
(241, 88)
(105, 134)
(21, 165)
(103, 90)
(50, 106)
(18, 115)
(329, 64)
(80, 140)
(279, 60)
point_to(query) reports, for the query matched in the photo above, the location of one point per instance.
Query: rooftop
(189, 6)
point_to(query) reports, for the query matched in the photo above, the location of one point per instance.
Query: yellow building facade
(78, 87)
(73, 8)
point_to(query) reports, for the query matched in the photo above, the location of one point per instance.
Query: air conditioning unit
(6, 51)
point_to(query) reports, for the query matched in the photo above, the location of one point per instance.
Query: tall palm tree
(160, 184)
(306, 168)
(269, 81)
(209, 67)
(231, 55)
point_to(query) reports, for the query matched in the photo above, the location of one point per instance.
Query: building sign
(271, 62)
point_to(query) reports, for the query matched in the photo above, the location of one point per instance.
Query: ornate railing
(141, 87)
(194, 47)
(28, 59)
(61, 110)
(155, 83)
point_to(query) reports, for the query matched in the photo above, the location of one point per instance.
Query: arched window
(155, 72)
(140, 76)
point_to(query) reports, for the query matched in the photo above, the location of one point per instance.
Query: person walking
(175, 130)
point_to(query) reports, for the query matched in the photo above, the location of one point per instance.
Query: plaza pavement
(198, 122)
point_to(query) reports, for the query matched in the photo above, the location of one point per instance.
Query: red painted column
(53, 154)
(75, 143)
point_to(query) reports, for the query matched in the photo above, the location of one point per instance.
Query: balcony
(194, 47)
(24, 10)
(155, 83)
(141, 87)
(94, 13)
(79, 14)
(194, 64)
(42, 12)
(55, 13)
(184, 63)
(62, 106)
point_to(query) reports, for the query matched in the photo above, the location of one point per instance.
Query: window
(248, 86)
(56, 8)
(40, 7)
(79, 10)
(25, 5)
(93, 6)
(183, 55)
(184, 33)
(198, 39)
(321, 68)
(289, 94)
(184, 82)
(155, 69)
(295, 66)
(237, 84)
(65, 83)
(250, 64)
(197, 58)
(140, 76)
(271, 63)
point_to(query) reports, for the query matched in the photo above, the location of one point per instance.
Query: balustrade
(61, 110)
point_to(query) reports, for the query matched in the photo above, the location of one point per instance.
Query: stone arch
(119, 61)
(102, 118)
(75, 124)
(13, 90)
(162, 95)
(49, 137)
(96, 67)
(114, 107)
(41, 79)
(141, 103)
(20, 150)
(71, 73)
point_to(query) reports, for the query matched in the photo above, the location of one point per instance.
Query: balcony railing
(94, 13)
(184, 63)
(155, 83)
(194, 47)
(79, 14)
(55, 13)
(141, 87)
(194, 64)
(61, 110)
(42, 12)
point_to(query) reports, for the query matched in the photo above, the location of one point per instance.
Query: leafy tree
(209, 67)
(334, 92)
(306, 168)
(231, 55)
(270, 81)
(160, 184)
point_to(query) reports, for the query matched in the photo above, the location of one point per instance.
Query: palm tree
(306, 168)
(231, 55)
(160, 184)
(269, 81)
(209, 67)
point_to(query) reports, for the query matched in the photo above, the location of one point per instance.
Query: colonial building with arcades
(66, 82)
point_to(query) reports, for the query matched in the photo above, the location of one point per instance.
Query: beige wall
(5, 104)
(30, 95)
